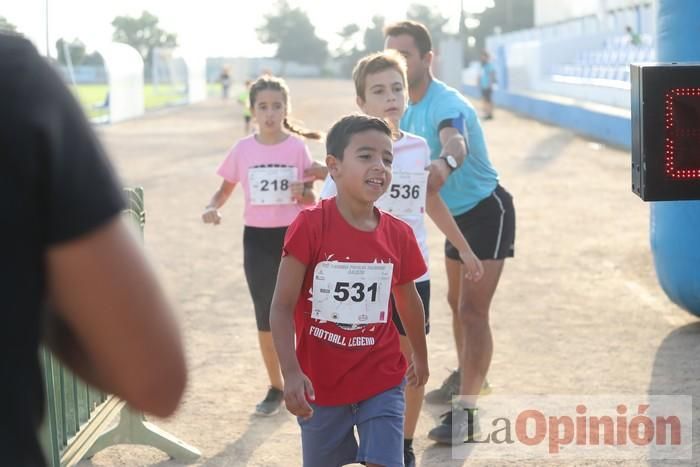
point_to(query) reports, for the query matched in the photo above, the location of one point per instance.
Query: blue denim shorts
(328, 437)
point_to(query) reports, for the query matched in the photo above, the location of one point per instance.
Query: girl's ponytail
(308, 134)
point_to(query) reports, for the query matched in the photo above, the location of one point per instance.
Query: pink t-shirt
(249, 154)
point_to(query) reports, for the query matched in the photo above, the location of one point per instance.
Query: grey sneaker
(450, 387)
(443, 394)
(271, 404)
(459, 425)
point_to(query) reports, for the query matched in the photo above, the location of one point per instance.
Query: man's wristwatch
(450, 161)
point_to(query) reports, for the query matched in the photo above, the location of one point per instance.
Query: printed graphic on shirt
(339, 339)
(270, 184)
(406, 195)
(351, 294)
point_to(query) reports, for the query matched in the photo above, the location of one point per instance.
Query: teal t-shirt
(476, 178)
(485, 76)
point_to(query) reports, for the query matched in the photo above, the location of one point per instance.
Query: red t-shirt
(349, 363)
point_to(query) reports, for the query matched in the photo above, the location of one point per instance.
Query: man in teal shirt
(483, 210)
(487, 78)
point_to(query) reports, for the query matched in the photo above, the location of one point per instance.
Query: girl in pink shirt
(269, 165)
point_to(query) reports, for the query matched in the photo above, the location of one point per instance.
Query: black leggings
(262, 253)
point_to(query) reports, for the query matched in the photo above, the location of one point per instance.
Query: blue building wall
(574, 74)
(611, 128)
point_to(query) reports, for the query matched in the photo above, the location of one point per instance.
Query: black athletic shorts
(262, 253)
(489, 227)
(423, 289)
(487, 94)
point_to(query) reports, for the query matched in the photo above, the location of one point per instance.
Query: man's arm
(111, 321)
(454, 144)
(63, 342)
(296, 384)
(410, 309)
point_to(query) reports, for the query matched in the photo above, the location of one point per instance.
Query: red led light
(682, 151)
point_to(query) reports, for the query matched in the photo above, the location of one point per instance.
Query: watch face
(451, 161)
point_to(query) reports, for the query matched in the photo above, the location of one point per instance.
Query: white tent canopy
(125, 76)
(196, 65)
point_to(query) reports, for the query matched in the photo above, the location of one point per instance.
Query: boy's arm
(437, 210)
(410, 309)
(296, 384)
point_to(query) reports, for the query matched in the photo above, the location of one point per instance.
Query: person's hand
(296, 387)
(297, 191)
(437, 176)
(473, 269)
(211, 216)
(317, 171)
(418, 372)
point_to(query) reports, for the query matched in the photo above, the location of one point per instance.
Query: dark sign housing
(666, 131)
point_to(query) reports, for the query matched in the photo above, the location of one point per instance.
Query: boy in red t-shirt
(341, 261)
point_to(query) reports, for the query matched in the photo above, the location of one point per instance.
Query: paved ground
(578, 310)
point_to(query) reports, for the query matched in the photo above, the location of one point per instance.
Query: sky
(210, 27)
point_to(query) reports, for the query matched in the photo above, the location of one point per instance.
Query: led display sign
(666, 131)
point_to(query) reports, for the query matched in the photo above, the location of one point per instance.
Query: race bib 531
(351, 293)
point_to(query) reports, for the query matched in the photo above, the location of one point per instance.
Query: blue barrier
(611, 128)
(675, 226)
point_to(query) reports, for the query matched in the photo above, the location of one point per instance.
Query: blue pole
(675, 225)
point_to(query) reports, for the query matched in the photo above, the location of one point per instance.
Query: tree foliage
(291, 30)
(433, 20)
(346, 34)
(348, 53)
(6, 26)
(93, 59)
(75, 48)
(143, 34)
(374, 35)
